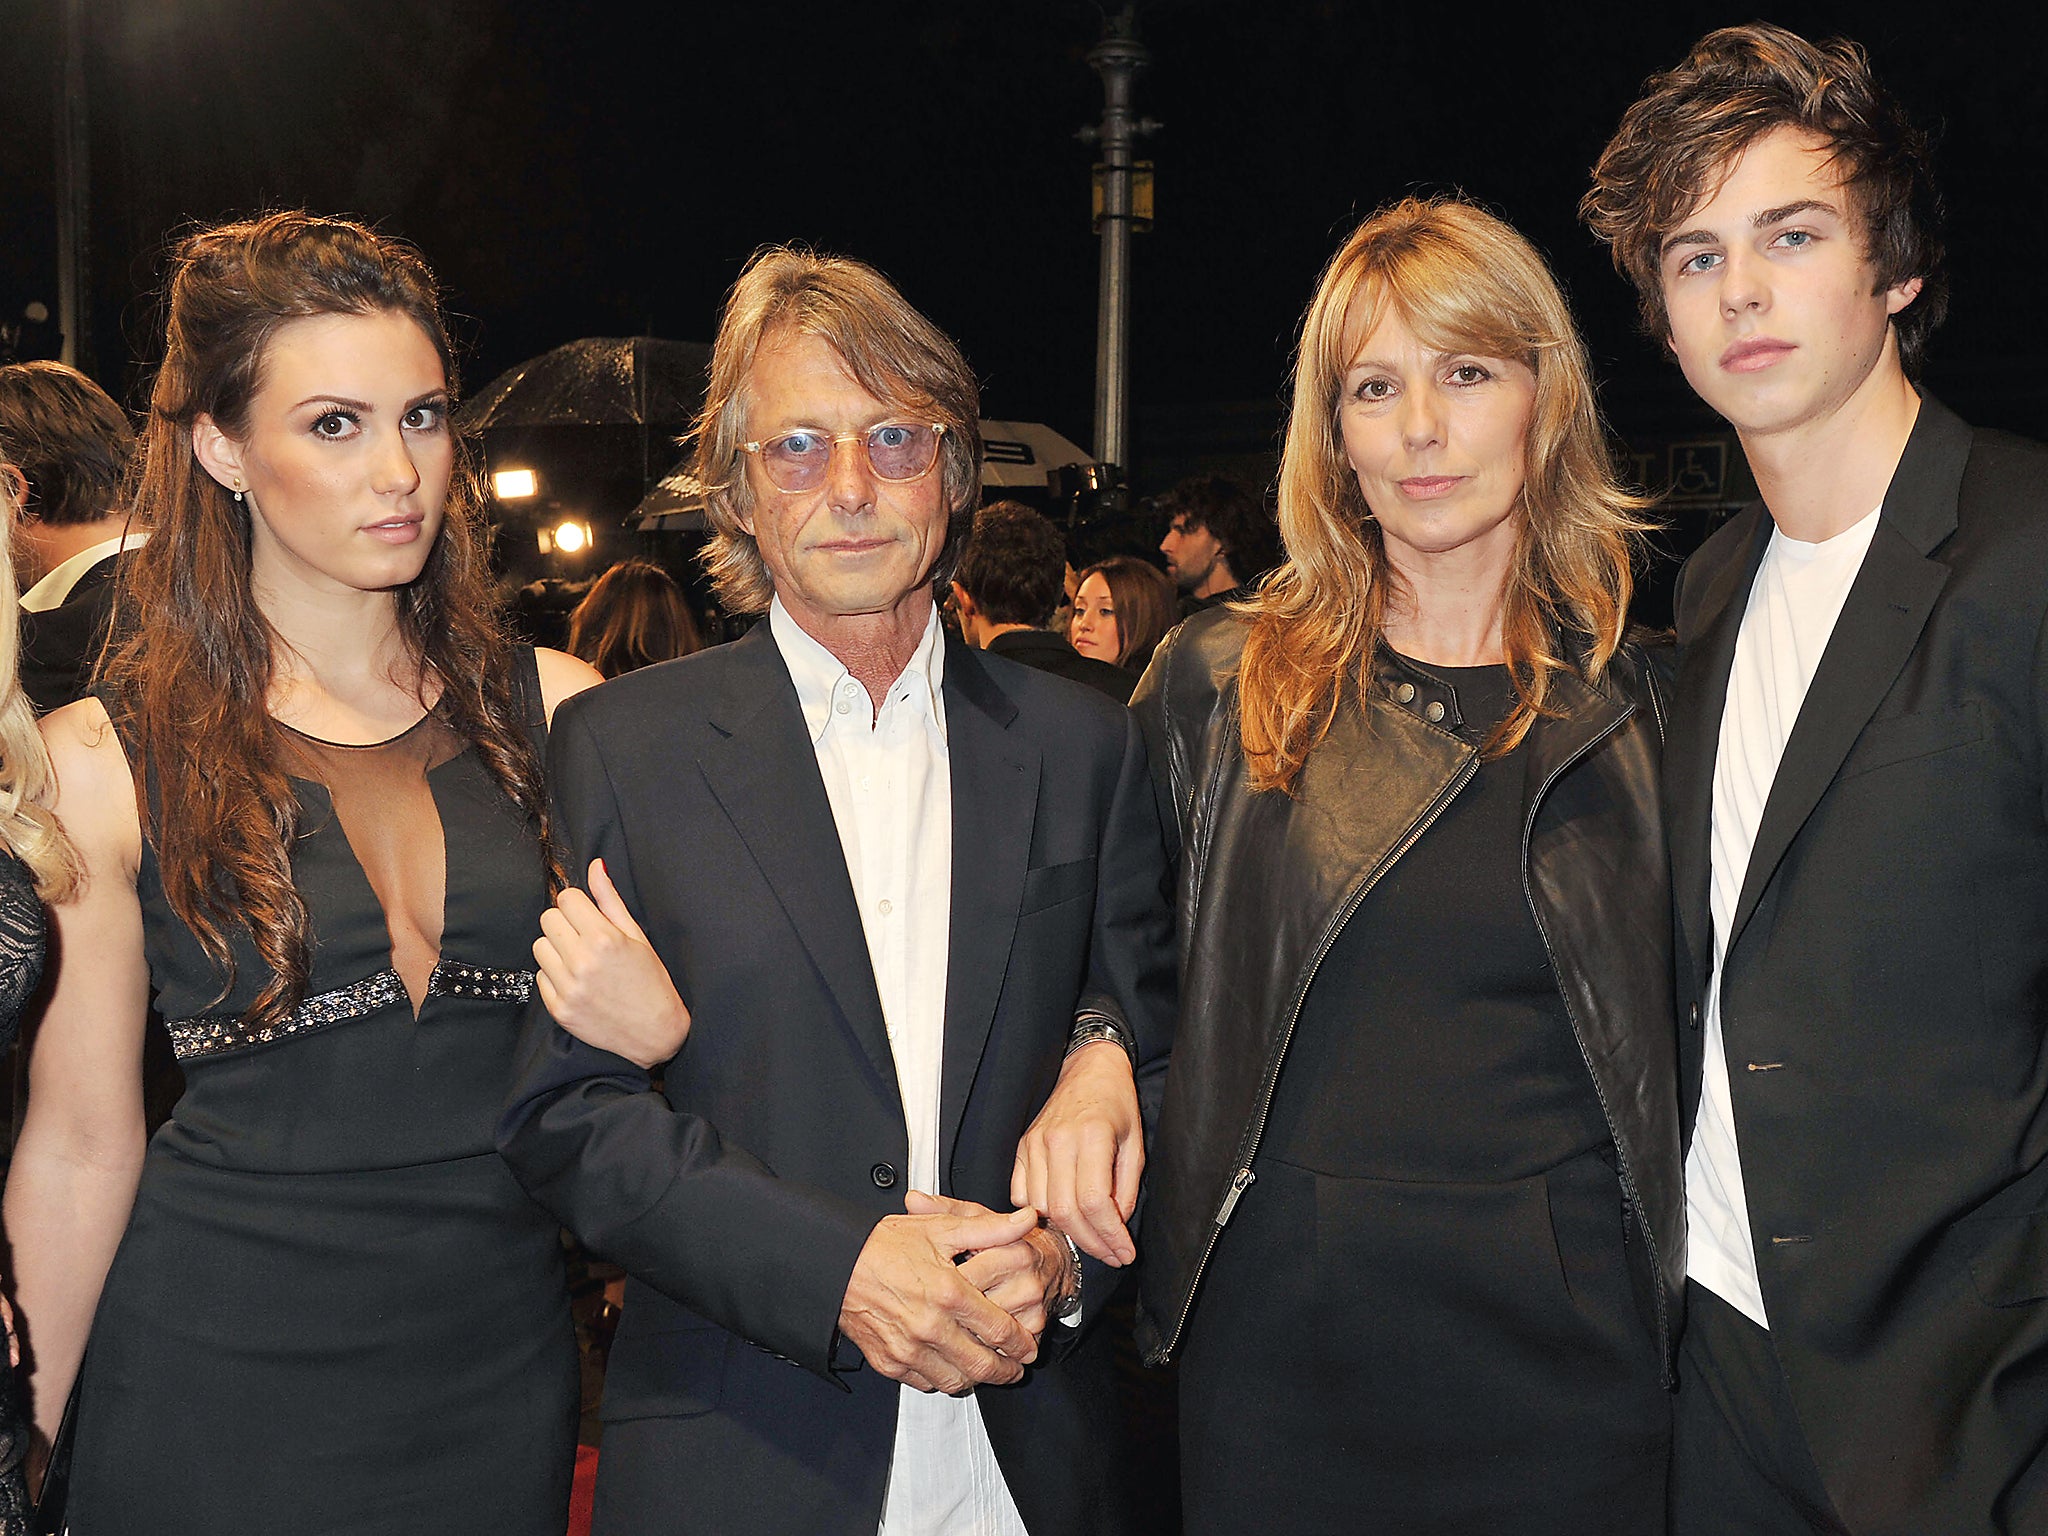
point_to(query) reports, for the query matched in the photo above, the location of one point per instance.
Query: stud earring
(241, 499)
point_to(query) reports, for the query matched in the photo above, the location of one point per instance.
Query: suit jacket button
(883, 1175)
(1692, 1016)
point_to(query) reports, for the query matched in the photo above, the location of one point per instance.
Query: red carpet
(583, 1490)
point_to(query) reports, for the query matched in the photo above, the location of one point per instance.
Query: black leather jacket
(1266, 881)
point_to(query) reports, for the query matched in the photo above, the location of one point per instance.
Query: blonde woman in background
(36, 865)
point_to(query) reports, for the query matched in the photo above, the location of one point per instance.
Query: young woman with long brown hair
(1122, 607)
(1416, 1208)
(308, 804)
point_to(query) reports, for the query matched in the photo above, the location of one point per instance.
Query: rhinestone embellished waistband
(217, 1034)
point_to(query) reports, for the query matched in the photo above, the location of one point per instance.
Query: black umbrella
(597, 382)
(601, 400)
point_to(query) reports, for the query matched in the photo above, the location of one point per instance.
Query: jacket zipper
(1244, 1178)
(1629, 1195)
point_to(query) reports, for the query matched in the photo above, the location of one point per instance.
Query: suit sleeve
(2040, 681)
(1130, 970)
(1130, 958)
(654, 1189)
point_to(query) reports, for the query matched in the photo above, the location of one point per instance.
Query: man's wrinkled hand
(601, 979)
(1025, 1278)
(1082, 1158)
(918, 1319)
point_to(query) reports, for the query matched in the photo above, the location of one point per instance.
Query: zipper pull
(1238, 1186)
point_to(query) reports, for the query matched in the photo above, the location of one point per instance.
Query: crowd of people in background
(1501, 1070)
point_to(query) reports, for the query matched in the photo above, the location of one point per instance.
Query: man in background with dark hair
(1008, 586)
(65, 444)
(1859, 827)
(1219, 539)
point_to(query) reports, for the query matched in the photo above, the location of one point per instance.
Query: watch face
(1069, 1304)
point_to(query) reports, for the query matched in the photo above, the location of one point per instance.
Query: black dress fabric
(1426, 1317)
(23, 940)
(334, 1310)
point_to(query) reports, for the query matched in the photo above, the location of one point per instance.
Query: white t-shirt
(1793, 605)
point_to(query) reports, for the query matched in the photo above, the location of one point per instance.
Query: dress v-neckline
(350, 802)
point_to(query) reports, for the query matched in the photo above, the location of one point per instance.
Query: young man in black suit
(1006, 589)
(64, 445)
(1855, 794)
(912, 897)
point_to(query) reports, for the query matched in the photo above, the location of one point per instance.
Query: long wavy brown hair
(193, 659)
(1464, 281)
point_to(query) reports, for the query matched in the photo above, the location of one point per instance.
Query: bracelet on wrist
(1092, 1027)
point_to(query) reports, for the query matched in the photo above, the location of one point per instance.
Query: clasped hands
(952, 1295)
(924, 1315)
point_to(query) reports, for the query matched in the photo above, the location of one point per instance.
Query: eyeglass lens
(796, 461)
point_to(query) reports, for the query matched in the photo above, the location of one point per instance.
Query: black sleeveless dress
(22, 943)
(334, 1310)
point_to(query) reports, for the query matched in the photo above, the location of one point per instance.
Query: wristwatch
(1070, 1303)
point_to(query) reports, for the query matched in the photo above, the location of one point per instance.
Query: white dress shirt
(889, 781)
(58, 581)
(1793, 605)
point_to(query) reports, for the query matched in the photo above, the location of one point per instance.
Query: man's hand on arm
(602, 981)
(917, 1317)
(1081, 1159)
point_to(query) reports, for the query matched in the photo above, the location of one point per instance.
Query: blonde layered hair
(1463, 281)
(892, 352)
(27, 783)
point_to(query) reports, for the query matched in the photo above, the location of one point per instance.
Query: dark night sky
(572, 172)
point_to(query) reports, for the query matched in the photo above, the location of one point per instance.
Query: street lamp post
(1117, 59)
(73, 207)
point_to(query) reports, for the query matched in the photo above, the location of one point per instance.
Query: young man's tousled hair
(1232, 514)
(68, 438)
(1737, 85)
(1014, 565)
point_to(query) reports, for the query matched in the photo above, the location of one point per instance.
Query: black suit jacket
(1885, 991)
(740, 1194)
(1048, 652)
(60, 645)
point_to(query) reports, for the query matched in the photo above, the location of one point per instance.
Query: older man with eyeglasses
(869, 1183)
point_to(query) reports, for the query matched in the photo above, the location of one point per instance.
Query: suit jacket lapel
(1880, 624)
(1695, 737)
(765, 775)
(995, 803)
